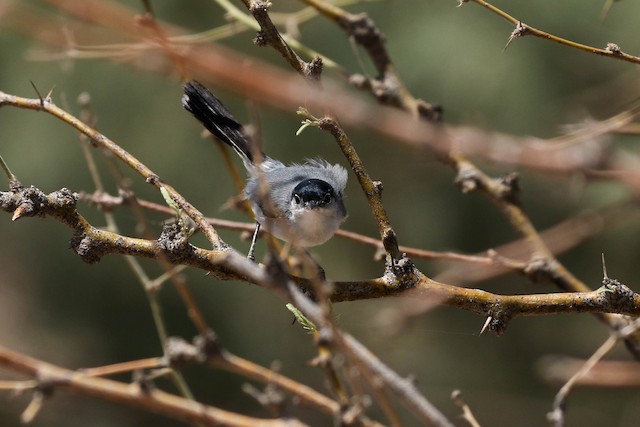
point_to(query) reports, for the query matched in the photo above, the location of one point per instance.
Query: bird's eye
(296, 198)
(327, 198)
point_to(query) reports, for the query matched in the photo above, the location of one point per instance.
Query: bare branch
(522, 29)
(51, 378)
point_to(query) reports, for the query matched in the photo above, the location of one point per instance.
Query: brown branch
(269, 35)
(208, 350)
(614, 374)
(372, 189)
(504, 193)
(404, 388)
(91, 244)
(51, 378)
(611, 298)
(102, 141)
(522, 29)
(557, 416)
(387, 87)
(219, 66)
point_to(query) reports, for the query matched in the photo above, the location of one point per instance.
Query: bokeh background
(55, 307)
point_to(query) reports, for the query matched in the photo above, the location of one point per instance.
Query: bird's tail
(208, 109)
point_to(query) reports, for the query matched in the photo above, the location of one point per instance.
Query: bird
(299, 203)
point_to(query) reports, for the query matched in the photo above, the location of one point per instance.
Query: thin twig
(104, 142)
(522, 29)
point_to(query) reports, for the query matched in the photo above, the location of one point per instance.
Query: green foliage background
(54, 307)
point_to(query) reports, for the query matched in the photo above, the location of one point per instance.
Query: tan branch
(102, 141)
(51, 378)
(612, 50)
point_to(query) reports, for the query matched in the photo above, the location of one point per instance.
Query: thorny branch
(269, 35)
(612, 50)
(100, 140)
(51, 377)
(92, 244)
(613, 297)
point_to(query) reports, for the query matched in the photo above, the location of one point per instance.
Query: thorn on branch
(42, 100)
(485, 327)
(496, 324)
(520, 31)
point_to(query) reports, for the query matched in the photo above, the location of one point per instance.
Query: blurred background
(57, 308)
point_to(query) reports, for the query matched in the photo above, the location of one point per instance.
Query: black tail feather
(215, 117)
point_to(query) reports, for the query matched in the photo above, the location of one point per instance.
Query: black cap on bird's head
(313, 193)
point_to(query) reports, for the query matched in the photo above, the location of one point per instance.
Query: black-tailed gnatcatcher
(304, 204)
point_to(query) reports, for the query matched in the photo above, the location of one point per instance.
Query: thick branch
(613, 297)
(92, 243)
(51, 377)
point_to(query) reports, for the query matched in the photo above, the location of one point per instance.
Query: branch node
(538, 268)
(43, 391)
(619, 295)
(496, 322)
(143, 382)
(87, 247)
(378, 187)
(429, 112)
(152, 179)
(509, 188)
(313, 69)
(208, 346)
(261, 39)
(178, 352)
(613, 48)
(173, 242)
(259, 6)
(468, 179)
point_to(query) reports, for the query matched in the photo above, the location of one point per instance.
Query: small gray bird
(304, 203)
